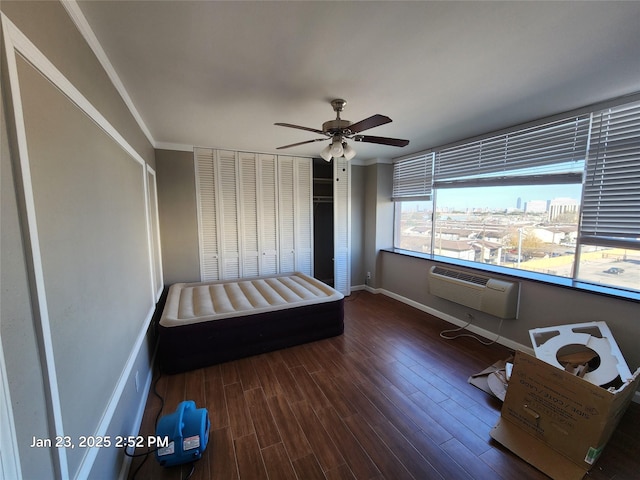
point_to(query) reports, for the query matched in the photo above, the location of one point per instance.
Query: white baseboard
(135, 427)
(456, 321)
(449, 318)
(87, 462)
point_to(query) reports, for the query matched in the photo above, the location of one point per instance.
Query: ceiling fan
(339, 130)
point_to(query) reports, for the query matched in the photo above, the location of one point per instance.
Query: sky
(504, 197)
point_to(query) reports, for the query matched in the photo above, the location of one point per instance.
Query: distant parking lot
(594, 271)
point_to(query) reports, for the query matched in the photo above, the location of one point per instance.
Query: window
(560, 198)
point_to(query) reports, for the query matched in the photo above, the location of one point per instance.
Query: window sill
(526, 275)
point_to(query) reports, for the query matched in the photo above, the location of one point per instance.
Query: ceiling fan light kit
(349, 152)
(326, 153)
(336, 147)
(339, 130)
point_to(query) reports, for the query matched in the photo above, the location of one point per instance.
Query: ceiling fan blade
(367, 123)
(302, 143)
(394, 142)
(300, 128)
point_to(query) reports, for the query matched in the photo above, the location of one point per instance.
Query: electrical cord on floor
(190, 474)
(470, 335)
(149, 452)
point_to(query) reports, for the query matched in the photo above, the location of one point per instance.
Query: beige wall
(75, 301)
(178, 216)
(358, 221)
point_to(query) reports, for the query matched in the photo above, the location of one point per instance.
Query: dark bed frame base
(202, 344)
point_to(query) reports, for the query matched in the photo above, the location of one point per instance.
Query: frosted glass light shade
(349, 152)
(326, 153)
(336, 149)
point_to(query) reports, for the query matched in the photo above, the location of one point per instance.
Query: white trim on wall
(17, 43)
(90, 455)
(157, 273)
(14, 42)
(9, 456)
(78, 18)
(177, 147)
(486, 334)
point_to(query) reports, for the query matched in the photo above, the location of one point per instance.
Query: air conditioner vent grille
(467, 277)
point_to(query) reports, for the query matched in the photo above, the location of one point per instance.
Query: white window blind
(611, 195)
(553, 152)
(412, 178)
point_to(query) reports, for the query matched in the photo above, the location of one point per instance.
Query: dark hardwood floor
(389, 399)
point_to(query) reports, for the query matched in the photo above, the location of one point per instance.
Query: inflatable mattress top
(189, 303)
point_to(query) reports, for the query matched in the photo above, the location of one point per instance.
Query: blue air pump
(187, 430)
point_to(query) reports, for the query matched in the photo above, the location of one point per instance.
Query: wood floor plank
(452, 424)
(247, 373)
(195, 385)
(292, 434)
(358, 399)
(326, 452)
(239, 416)
(229, 372)
(441, 461)
(336, 396)
(268, 379)
(387, 399)
(509, 466)
(359, 462)
(420, 383)
(411, 458)
(224, 465)
(341, 473)
(174, 392)
(387, 408)
(467, 417)
(277, 463)
(307, 358)
(416, 414)
(287, 382)
(250, 463)
(392, 372)
(265, 427)
(216, 403)
(478, 470)
(308, 468)
(318, 350)
(384, 459)
(309, 388)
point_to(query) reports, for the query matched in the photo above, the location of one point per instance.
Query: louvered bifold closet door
(248, 176)
(303, 170)
(227, 185)
(207, 214)
(268, 213)
(295, 211)
(341, 223)
(286, 214)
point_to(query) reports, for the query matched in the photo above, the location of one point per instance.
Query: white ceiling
(220, 74)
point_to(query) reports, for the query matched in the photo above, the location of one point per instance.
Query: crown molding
(178, 147)
(370, 161)
(80, 21)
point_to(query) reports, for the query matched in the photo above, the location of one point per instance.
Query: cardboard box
(556, 421)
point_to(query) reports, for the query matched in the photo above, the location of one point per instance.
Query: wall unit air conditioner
(490, 295)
